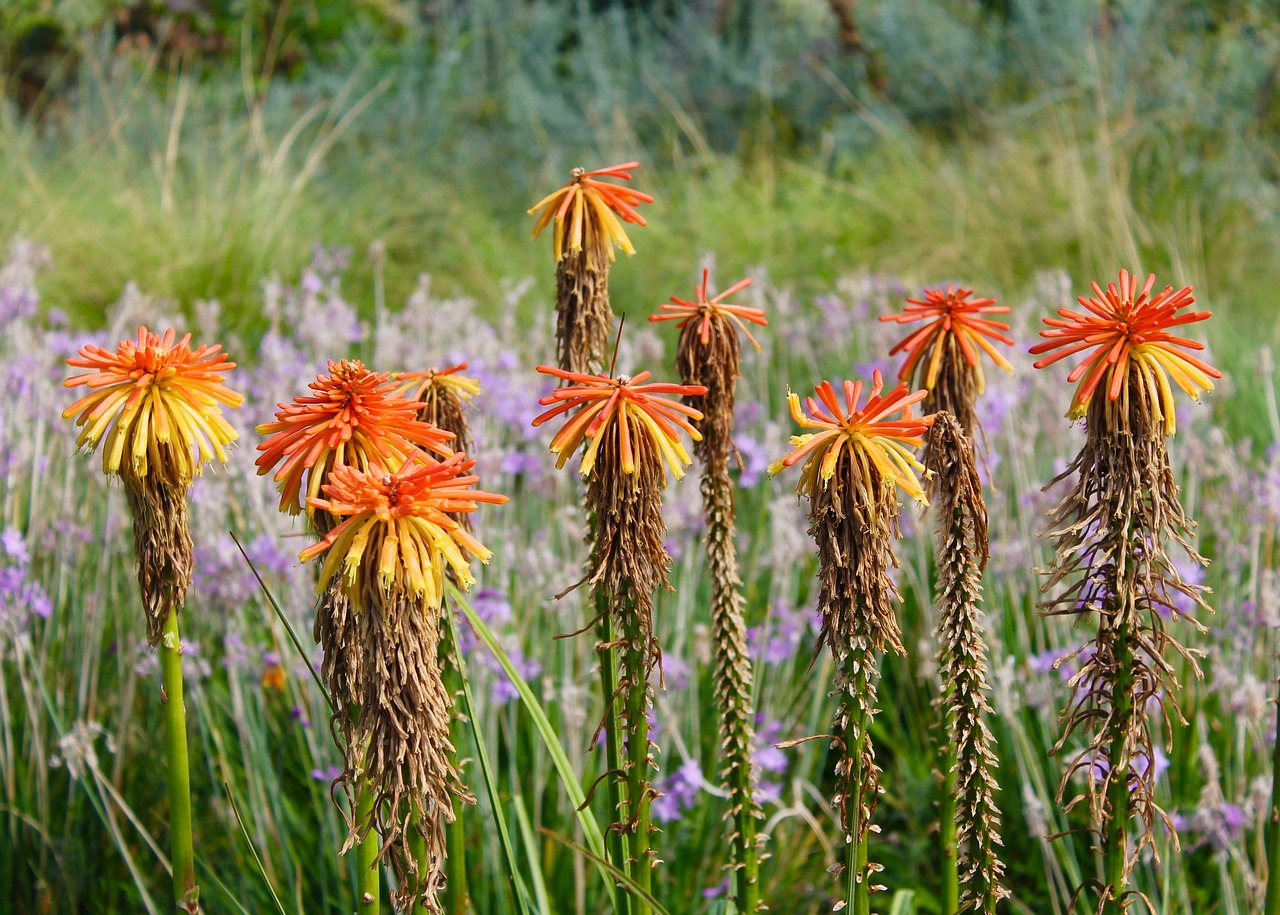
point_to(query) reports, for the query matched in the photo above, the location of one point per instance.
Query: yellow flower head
(396, 533)
(150, 393)
(870, 438)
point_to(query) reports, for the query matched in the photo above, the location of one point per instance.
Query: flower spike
(586, 212)
(634, 406)
(949, 312)
(396, 530)
(355, 416)
(1125, 329)
(704, 310)
(870, 436)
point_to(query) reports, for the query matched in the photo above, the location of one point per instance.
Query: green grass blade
(595, 839)
(621, 876)
(519, 890)
(531, 853)
(253, 850)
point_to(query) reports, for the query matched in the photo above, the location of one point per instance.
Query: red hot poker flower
(417, 385)
(396, 529)
(635, 406)
(871, 438)
(1126, 329)
(704, 309)
(354, 417)
(949, 311)
(154, 391)
(586, 211)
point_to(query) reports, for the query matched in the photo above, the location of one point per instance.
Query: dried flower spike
(853, 469)
(1126, 331)
(355, 416)
(708, 354)
(154, 406)
(633, 438)
(588, 214)
(387, 557)
(1109, 535)
(154, 393)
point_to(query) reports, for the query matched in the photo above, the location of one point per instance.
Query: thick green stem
(1273, 829)
(368, 884)
(186, 893)
(617, 844)
(455, 888)
(733, 680)
(949, 860)
(1115, 850)
(638, 787)
(857, 884)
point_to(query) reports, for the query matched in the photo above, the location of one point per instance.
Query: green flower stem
(368, 885)
(1115, 851)
(1273, 829)
(857, 884)
(638, 786)
(617, 840)
(186, 893)
(949, 862)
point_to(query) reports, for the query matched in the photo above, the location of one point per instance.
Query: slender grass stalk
(455, 888)
(1273, 829)
(186, 893)
(368, 883)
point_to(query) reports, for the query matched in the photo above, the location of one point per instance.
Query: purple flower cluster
(21, 596)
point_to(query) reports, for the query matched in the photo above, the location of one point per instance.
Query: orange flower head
(867, 433)
(637, 408)
(588, 213)
(1127, 330)
(949, 312)
(152, 392)
(419, 385)
(704, 310)
(355, 416)
(396, 532)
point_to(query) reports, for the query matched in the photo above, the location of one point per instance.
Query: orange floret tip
(869, 433)
(1124, 329)
(948, 312)
(353, 416)
(704, 310)
(637, 408)
(587, 205)
(154, 391)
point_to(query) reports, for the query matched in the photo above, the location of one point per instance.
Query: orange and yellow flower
(355, 416)
(396, 531)
(151, 392)
(418, 385)
(949, 311)
(637, 408)
(705, 310)
(866, 433)
(1128, 329)
(587, 211)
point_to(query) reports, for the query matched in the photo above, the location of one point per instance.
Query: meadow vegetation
(361, 193)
